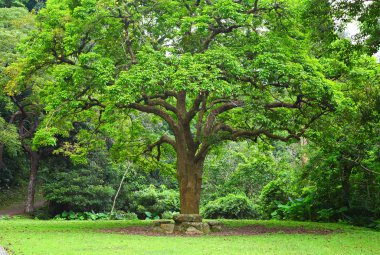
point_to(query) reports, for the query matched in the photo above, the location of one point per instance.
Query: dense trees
(21, 107)
(212, 71)
(190, 77)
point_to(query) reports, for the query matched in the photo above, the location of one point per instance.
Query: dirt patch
(260, 230)
(245, 231)
(18, 209)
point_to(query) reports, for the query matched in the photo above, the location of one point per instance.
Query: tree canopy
(210, 71)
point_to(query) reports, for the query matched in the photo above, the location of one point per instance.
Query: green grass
(24, 237)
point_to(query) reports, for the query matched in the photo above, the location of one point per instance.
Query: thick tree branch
(202, 152)
(256, 8)
(154, 110)
(19, 106)
(199, 124)
(181, 104)
(162, 140)
(281, 105)
(14, 116)
(195, 108)
(221, 109)
(216, 32)
(163, 96)
(296, 104)
(254, 134)
(163, 103)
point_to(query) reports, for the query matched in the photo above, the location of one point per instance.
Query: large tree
(19, 105)
(213, 70)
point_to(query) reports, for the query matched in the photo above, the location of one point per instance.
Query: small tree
(212, 70)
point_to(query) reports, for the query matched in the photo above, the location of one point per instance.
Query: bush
(270, 196)
(232, 206)
(42, 213)
(119, 215)
(152, 202)
(168, 215)
(79, 188)
(295, 209)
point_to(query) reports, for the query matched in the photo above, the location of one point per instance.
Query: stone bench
(190, 224)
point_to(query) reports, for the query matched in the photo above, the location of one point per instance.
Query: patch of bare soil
(260, 229)
(245, 231)
(18, 209)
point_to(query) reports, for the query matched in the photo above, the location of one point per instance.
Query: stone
(179, 218)
(163, 226)
(167, 228)
(184, 227)
(215, 226)
(157, 223)
(193, 231)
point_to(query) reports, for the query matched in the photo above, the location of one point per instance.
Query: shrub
(152, 202)
(42, 213)
(119, 215)
(295, 209)
(168, 215)
(232, 206)
(79, 188)
(270, 196)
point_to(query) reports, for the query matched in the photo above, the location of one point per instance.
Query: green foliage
(9, 138)
(70, 215)
(151, 216)
(119, 215)
(79, 188)
(270, 196)
(295, 209)
(246, 168)
(366, 14)
(30, 4)
(232, 206)
(15, 24)
(168, 215)
(284, 61)
(5, 217)
(151, 202)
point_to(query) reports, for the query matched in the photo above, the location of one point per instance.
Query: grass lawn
(24, 237)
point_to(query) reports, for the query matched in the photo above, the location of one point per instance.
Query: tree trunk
(347, 169)
(34, 163)
(190, 184)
